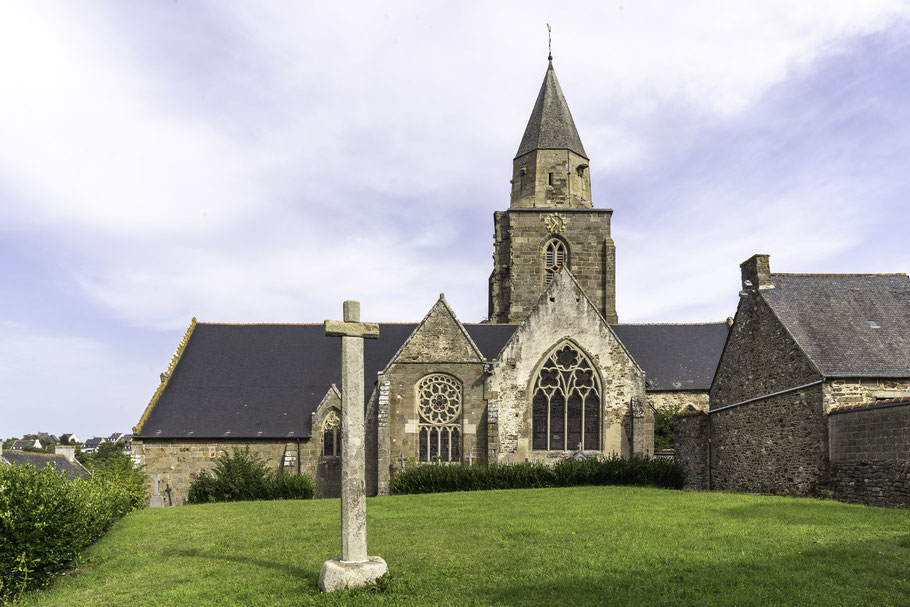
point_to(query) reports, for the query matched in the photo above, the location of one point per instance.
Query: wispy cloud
(263, 162)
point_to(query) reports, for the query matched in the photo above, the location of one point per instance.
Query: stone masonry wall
(403, 415)
(691, 430)
(875, 433)
(855, 391)
(177, 460)
(870, 454)
(873, 483)
(518, 277)
(679, 400)
(563, 314)
(775, 445)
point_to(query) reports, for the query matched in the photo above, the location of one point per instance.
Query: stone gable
(564, 314)
(439, 337)
(761, 357)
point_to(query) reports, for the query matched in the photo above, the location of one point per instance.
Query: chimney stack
(68, 452)
(756, 273)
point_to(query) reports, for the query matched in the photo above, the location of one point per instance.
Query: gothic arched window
(331, 434)
(555, 256)
(439, 428)
(566, 402)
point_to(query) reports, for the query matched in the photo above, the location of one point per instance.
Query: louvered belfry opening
(439, 406)
(566, 402)
(555, 256)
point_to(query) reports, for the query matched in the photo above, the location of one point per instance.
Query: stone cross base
(337, 574)
(156, 501)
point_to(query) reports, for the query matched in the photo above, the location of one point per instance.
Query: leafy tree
(663, 428)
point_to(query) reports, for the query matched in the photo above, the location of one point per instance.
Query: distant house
(69, 439)
(116, 437)
(92, 444)
(19, 445)
(63, 461)
(127, 440)
(48, 439)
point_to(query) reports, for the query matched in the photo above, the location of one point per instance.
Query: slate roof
(551, 126)
(23, 443)
(258, 381)
(675, 356)
(828, 315)
(265, 381)
(40, 460)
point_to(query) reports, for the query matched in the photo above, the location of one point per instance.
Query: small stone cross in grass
(401, 460)
(470, 459)
(354, 568)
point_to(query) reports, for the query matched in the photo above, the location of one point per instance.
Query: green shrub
(284, 486)
(46, 521)
(565, 473)
(243, 476)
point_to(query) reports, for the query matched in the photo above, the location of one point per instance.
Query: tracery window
(566, 402)
(331, 434)
(555, 255)
(439, 428)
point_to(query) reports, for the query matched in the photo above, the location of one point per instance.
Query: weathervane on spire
(550, 42)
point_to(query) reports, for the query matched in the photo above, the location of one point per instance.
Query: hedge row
(243, 476)
(46, 520)
(565, 473)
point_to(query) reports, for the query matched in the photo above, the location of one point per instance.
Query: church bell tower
(551, 221)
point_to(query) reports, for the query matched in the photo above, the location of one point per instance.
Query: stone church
(550, 373)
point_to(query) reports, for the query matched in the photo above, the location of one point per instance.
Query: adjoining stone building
(550, 373)
(812, 393)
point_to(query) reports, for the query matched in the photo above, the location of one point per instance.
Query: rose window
(439, 407)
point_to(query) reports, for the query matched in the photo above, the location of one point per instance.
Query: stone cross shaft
(353, 482)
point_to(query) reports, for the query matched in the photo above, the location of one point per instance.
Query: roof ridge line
(665, 324)
(285, 324)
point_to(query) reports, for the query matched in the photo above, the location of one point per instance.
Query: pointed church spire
(551, 126)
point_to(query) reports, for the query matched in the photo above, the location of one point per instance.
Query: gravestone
(156, 501)
(354, 568)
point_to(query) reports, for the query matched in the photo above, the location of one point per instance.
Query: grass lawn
(575, 546)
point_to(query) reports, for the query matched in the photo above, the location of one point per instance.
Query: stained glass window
(566, 402)
(331, 434)
(439, 407)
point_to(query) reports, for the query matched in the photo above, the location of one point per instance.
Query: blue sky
(262, 162)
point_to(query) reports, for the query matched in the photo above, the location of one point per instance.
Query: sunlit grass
(575, 546)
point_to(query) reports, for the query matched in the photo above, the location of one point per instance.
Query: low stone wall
(874, 433)
(176, 461)
(878, 483)
(691, 430)
(870, 454)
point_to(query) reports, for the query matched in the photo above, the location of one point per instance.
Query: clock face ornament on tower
(556, 223)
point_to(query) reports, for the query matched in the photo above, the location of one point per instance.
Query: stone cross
(579, 455)
(470, 459)
(354, 568)
(402, 459)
